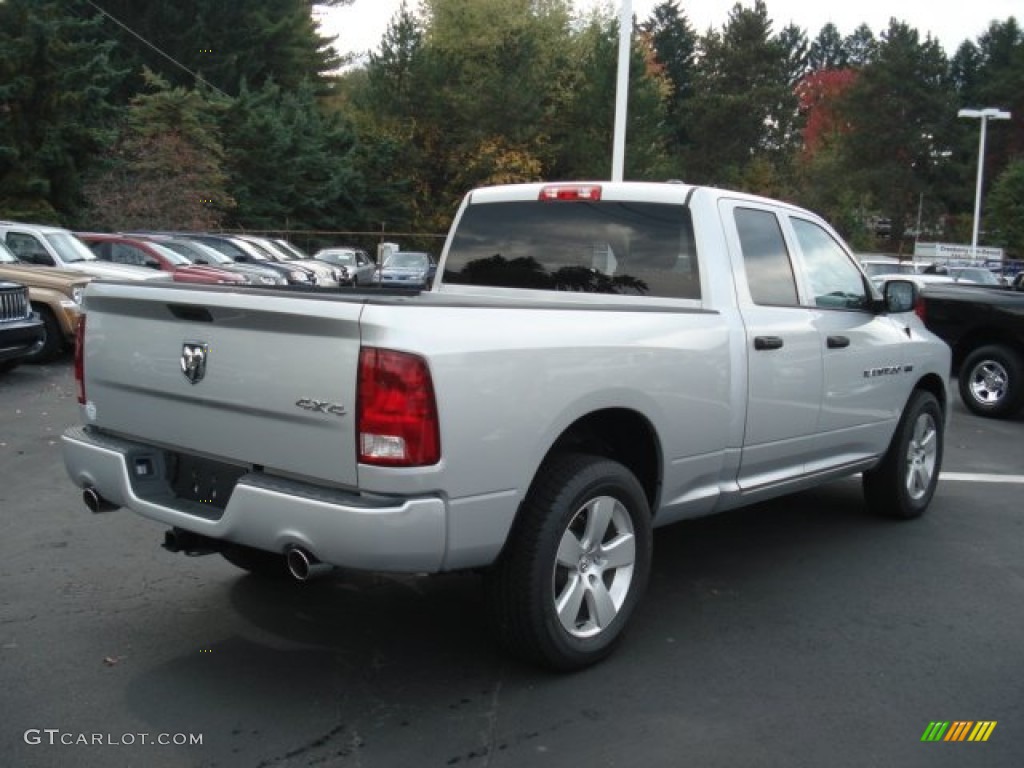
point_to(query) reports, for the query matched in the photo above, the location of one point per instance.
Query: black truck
(21, 330)
(985, 328)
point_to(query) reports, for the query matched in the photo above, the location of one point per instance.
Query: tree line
(202, 114)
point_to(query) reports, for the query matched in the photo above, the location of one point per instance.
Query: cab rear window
(629, 248)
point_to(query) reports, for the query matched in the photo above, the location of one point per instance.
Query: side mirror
(200, 261)
(899, 296)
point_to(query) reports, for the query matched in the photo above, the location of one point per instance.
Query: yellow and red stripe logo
(959, 730)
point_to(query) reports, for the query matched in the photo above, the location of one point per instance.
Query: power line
(167, 56)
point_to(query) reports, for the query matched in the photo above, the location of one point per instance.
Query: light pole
(622, 90)
(984, 115)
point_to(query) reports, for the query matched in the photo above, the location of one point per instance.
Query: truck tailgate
(268, 382)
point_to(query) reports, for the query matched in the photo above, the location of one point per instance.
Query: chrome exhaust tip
(303, 566)
(96, 503)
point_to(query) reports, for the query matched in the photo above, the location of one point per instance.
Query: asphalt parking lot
(803, 632)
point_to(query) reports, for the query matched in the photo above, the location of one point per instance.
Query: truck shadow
(374, 668)
(352, 627)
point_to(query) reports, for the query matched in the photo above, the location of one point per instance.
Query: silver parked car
(414, 269)
(359, 268)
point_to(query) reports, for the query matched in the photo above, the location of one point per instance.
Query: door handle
(766, 343)
(838, 342)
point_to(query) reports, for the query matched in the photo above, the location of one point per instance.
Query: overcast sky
(360, 25)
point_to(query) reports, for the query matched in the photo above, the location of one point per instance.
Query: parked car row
(51, 266)
(402, 269)
(889, 267)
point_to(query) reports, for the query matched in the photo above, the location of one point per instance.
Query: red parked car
(121, 249)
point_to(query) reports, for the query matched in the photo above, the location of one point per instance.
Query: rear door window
(766, 258)
(630, 248)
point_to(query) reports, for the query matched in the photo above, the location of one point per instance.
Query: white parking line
(973, 477)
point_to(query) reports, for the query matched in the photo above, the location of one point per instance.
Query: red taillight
(919, 307)
(570, 192)
(80, 359)
(396, 412)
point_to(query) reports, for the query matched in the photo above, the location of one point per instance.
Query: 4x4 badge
(193, 360)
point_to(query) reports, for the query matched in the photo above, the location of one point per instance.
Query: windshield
(171, 255)
(977, 275)
(292, 248)
(6, 257)
(69, 247)
(193, 251)
(408, 261)
(252, 250)
(875, 268)
(272, 248)
(344, 258)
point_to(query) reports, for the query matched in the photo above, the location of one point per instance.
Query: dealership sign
(955, 251)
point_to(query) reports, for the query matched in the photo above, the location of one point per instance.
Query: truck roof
(671, 192)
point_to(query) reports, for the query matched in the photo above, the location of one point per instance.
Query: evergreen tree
(744, 106)
(860, 46)
(828, 50)
(674, 45)
(165, 172)
(999, 82)
(965, 69)
(1006, 209)
(796, 49)
(225, 43)
(899, 109)
(290, 165)
(587, 141)
(56, 78)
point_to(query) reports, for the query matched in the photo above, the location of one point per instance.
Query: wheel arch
(620, 434)
(983, 337)
(934, 384)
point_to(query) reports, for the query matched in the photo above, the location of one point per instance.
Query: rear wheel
(575, 566)
(903, 484)
(990, 381)
(258, 562)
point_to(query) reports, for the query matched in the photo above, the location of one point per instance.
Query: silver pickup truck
(590, 362)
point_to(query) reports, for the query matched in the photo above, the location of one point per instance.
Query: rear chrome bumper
(267, 512)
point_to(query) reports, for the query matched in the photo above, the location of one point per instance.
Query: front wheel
(53, 338)
(903, 484)
(576, 564)
(990, 381)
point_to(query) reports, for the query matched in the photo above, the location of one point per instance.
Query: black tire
(903, 484)
(256, 561)
(53, 340)
(9, 365)
(609, 572)
(992, 381)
